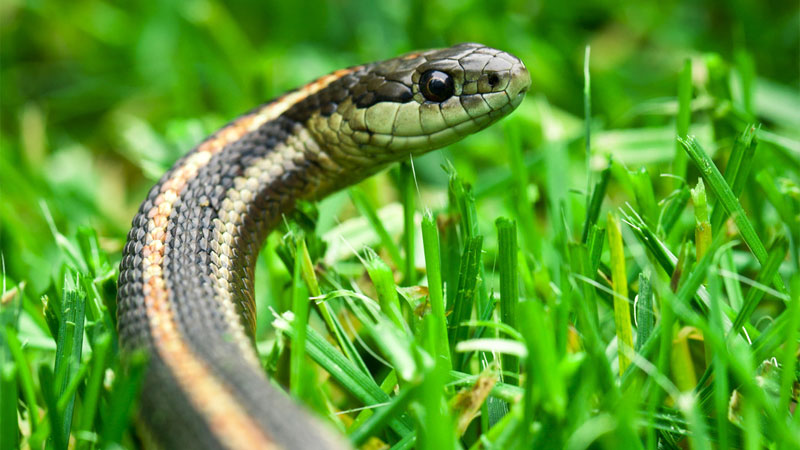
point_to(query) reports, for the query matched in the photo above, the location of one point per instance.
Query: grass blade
(435, 428)
(719, 360)
(737, 170)
(732, 287)
(69, 346)
(300, 307)
(408, 199)
(544, 387)
(702, 231)
(383, 279)
(46, 385)
(645, 197)
(91, 396)
(509, 284)
(381, 416)
(430, 241)
(9, 430)
(622, 317)
(728, 201)
(789, 356)
(768, 272)
(465, 295)
(598, 194)
(122, 399)
(673, 209)
(361, 385)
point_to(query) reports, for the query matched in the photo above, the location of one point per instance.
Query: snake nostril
(493, 79)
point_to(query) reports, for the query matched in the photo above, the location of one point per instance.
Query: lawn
(615, 265)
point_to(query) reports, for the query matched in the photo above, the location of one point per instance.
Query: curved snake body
(186, 275)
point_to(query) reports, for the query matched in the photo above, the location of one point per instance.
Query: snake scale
(186, 276)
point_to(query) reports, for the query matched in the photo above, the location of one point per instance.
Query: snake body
(186, 276)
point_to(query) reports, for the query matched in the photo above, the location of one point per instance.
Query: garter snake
(186, 276)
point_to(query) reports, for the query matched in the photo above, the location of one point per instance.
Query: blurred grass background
(97, 99)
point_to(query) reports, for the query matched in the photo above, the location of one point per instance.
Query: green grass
(616, 265)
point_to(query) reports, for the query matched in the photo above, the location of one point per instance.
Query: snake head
(382, 112)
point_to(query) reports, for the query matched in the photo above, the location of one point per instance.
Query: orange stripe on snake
(222, 412)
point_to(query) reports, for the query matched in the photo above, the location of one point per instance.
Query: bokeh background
(98, 98)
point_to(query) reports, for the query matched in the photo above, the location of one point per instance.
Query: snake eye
(436, 86)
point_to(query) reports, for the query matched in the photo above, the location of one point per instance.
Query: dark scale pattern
(187, 267)
(133, 327)
(189, 276)
(327, 100)
(187, 272)
(383, 82)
